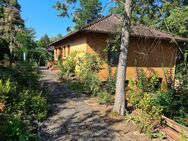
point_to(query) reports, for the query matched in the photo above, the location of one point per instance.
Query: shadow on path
(71, 119)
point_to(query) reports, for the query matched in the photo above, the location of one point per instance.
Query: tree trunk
(119, 105)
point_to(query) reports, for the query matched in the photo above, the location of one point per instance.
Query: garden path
(73, 117)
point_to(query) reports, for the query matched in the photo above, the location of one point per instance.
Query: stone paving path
(73, 117)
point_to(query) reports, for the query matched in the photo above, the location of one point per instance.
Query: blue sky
(40, 15)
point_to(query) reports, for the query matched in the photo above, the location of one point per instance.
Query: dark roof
(110, 23)
(51, 48)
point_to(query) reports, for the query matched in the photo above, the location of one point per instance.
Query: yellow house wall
(96, 44)
(77, 43)
(153, 56)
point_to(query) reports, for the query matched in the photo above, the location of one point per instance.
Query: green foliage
(10, 21)
(145, 123)
(21, 103)
(145, 84)
(24, 73)
(55, 38)
(14, 128)
(110, 85)
(143, 12)
(25, 39)
(87, 10)
(28, 46)
(148, 96)
(178, 21)
(76, 86)
(113, 47)
(89, 67)
(86, 69)
(31, 102)
(44, 42)
(182, 71)
(67, 67)
(105, 97)
(143, 94)
(174, 105)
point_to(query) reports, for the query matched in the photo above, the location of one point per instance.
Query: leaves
(88, 10)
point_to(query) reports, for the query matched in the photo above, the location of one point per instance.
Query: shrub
(19, 104)
(89, 67)
(39, 106)
(145, 123)
(105, 97)
(6, 87)
(86, 69)
(110, 85)
(14, 128)
(148, 96)
(25, 74)
(67, 67)
(143, 95)
(31, 103)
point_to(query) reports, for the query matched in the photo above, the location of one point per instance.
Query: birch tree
(119, 105)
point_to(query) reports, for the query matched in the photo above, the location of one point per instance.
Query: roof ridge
(158, 30)
(97, 21)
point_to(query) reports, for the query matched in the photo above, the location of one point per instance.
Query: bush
(24, 73)
(14, 128)
(89, 67)
(67, 67)
(145, 123)
(86, 69)
(143, 94)
(148, 96)
(20, 106)
(105, 97)
(31, 103)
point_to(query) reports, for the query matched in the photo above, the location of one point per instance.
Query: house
(150, 49)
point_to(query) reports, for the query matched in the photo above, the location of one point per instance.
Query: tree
(143, 12)
(44, 41)
(177, 21)
(89, 10)
(25, 42)
(119, 105)
(10, 22)
(4, 49)
(55, 38)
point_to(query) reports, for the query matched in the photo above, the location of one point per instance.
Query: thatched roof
(110, 24)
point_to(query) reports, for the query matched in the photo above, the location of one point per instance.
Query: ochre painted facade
(66, 47)
(154, 56)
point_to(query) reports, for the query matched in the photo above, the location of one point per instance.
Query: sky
(40, 15)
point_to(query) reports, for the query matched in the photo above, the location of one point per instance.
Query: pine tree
(10, 22)
(44, 41)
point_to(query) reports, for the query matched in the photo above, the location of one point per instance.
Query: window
(59, 53)
(64, 49)
(68, 49)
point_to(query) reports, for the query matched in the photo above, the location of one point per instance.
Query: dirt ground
(76, 117)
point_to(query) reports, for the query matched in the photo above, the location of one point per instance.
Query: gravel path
(79, 118)
(71, 118)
